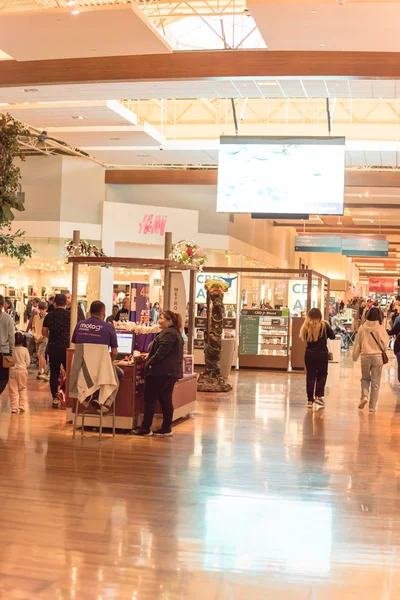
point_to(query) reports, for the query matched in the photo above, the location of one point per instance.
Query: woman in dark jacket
(163, 367)
(396, 332)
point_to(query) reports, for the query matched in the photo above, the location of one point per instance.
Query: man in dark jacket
(164, 366)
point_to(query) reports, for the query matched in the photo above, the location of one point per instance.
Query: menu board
(249, 334)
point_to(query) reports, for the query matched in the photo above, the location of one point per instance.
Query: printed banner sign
(298, 295)
(178, 294)
(230, 297)
(382, 285)
(140, 303)
(318, 243)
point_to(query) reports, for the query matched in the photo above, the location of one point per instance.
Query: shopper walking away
(164, 366)
(19, 375)
(316, 332)
(56, 328)
(41, 340)
(7, 344)
(371, 343)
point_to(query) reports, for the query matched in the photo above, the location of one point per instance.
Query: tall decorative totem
(211, 379)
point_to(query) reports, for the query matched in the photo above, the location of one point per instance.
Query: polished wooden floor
(254, 498)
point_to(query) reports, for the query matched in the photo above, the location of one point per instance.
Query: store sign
(381, 285)
(230, 297)
(318, 243)
(199, 344)
(178, 294)
(298, 295)
(362, 245)
(154, 224)
(200, 322)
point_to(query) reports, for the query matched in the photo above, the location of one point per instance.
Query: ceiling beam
(203, 65)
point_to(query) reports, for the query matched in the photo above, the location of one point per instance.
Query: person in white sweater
(19, 375)
(371, 341)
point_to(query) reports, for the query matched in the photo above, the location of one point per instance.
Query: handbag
(330, 354)
(8, 361)
(385, 358)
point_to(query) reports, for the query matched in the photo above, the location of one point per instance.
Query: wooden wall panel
(209, 177)
(162, 177)
(200, 65)
(372, 178)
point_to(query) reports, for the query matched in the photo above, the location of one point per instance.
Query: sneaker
(163, 433)
(310, 403)
(103, 409)
(43, 377)
(21, 410)
(14, 411)
(372, 410)
(363, 403)
(55, 403)
(319, 401)
(141, 432)
(38, 376)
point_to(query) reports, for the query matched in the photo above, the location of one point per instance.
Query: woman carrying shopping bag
(371, 343)
(316, 332)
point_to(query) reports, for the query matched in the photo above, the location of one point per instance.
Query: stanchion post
(74, 288)
(167, 271)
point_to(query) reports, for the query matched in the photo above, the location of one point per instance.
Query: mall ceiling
(109, 81)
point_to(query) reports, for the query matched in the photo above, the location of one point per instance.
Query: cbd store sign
(298, 295)
(230, 297)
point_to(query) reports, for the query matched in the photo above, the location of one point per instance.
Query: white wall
(202, 198)
(82, 190)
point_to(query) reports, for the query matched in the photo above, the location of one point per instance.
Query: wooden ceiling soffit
(203, 65)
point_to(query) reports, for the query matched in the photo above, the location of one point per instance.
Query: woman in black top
(316, 332)
(163, 367)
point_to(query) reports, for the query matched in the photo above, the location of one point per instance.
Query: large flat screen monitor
(281, 175)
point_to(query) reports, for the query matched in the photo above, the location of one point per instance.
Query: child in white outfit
(19, 375)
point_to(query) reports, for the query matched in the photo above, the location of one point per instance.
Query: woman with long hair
(163, 367)
(371, 341)
(316, 332)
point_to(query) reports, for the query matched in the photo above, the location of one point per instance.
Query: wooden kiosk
(129, 402)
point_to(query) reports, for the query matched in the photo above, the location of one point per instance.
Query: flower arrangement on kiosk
(211, 379)
(82, 249)
(188, 253)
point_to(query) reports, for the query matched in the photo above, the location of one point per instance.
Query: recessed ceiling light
(322, 45)
(268, 83)
(75, 12)
(78, 117)
(313, 11)
(71, 2)
(114, 138)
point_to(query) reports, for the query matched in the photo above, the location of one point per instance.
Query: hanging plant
(10, 197)
(188, 253)
(82, 249)
(13, 245)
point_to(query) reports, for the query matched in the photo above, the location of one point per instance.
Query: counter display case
(264, 339)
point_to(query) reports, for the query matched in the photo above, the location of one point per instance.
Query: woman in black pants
(164, 366)
(316, 332)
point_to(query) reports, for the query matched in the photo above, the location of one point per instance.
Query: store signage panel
(364, 246)
(381, 285)
(200, 322)
(298, 295)
(199, 344)
(140, 303)
(177, 301)
(318, 243)
(230, 297)
(262, 312)
(229, 323)
(154, 224)
(249, 326)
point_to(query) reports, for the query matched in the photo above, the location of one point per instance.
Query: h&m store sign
(230, 297)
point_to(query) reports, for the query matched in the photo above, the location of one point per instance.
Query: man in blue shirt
(96, 330)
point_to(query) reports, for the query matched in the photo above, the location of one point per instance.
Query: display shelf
(264, 336)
